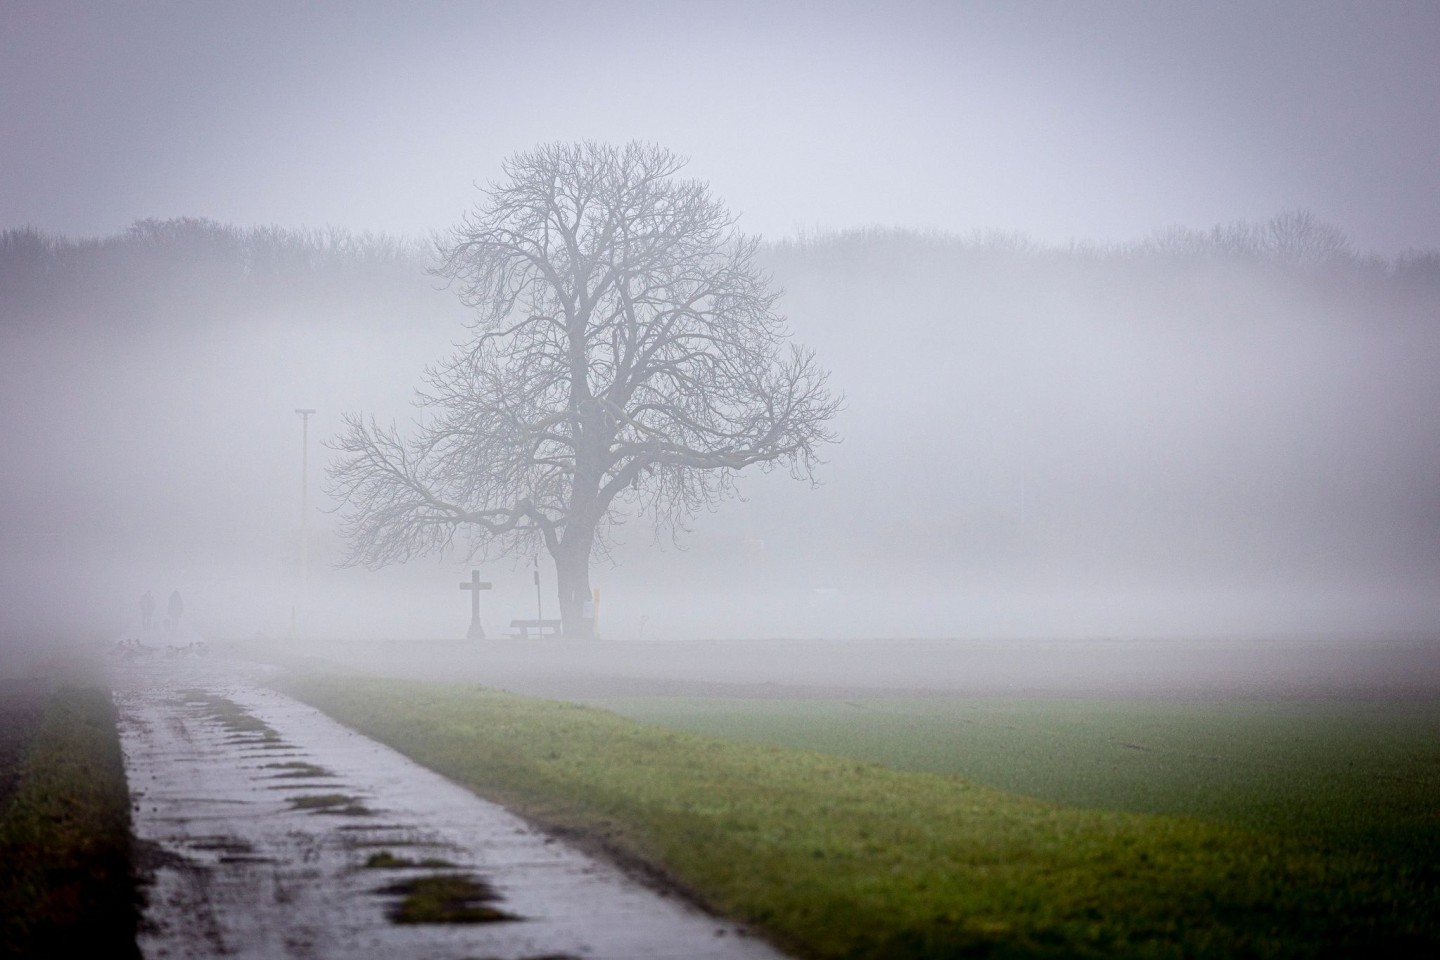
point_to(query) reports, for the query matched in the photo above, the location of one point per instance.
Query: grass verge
(65, 887)
(835, 858)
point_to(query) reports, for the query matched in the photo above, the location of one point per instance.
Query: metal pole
(304, 504)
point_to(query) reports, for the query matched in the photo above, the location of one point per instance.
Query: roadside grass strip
(835, 858)
(65, 855)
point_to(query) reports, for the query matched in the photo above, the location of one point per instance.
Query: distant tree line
(212, 268)
(1294, 242)
(159, 258)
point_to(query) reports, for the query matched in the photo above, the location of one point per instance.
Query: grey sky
(1087, 121)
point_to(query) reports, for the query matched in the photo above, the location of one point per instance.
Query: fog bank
(1198, 434)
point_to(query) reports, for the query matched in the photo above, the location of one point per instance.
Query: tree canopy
(625, 356)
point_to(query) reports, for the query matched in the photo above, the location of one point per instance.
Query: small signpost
(475, 585)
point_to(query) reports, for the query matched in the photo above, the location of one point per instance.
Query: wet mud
(267, 830)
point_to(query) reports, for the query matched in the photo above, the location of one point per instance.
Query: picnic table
(521, 629)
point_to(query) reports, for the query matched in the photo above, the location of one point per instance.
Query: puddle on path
(242, 869)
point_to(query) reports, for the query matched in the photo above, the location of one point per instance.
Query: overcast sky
(1074, 120)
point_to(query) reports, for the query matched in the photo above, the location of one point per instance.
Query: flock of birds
(130, 648)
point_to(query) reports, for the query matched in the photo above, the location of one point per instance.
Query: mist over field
(1144, 346)
(1159, 439)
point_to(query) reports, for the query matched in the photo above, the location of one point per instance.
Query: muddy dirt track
(257, 817)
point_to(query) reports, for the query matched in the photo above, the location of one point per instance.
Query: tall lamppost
(305, 415)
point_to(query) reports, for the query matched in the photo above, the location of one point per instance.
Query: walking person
(175, 608)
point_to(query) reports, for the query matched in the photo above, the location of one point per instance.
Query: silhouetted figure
(147, 609)
(175, 607)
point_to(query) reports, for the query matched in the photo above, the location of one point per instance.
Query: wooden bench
(520, 629)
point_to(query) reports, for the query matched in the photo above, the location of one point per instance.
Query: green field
(1358, 773)
(833, 855)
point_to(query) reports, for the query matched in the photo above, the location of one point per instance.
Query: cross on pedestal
(476, 632)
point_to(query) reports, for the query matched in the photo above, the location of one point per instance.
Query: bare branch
(626, 354)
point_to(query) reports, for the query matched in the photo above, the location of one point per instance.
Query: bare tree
(626, 358)
(1298, 238)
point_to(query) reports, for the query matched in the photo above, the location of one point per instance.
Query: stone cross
(475, 585)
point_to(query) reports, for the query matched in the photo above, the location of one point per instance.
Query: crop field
(1361, 773)
(867, 828)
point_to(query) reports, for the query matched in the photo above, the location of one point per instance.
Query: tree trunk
(572, 578)
(572, 560)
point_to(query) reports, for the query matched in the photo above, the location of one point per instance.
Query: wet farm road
(257, 816)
